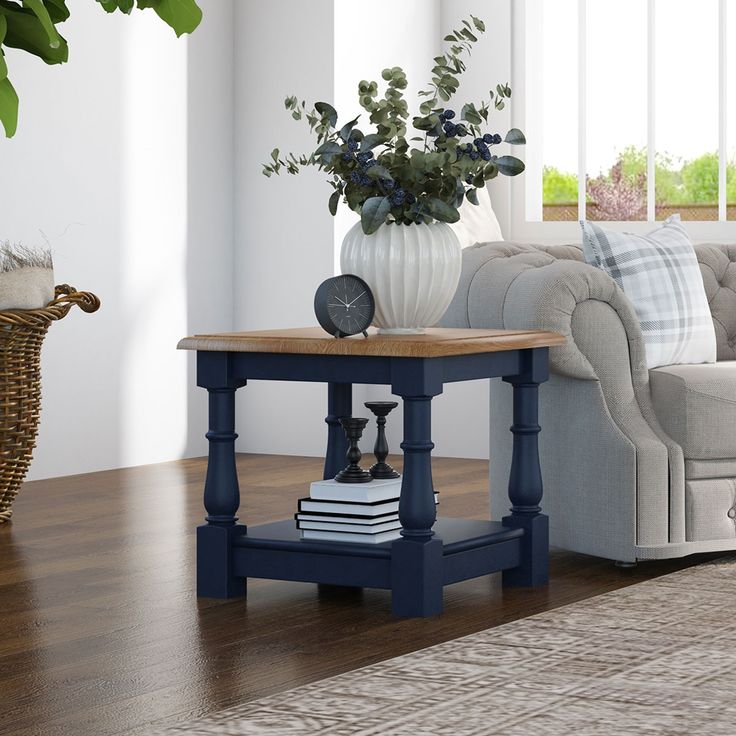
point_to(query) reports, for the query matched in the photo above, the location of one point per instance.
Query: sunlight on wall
(154, 224)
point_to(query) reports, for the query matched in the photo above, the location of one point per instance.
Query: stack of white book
(351, 512)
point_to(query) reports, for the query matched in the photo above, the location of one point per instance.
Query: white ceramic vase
(412, 270)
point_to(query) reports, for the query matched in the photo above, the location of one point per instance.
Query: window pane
(616, 109)
(686, 108)
(559, 60)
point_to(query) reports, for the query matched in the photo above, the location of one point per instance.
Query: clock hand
(356, 298)
(341, 301)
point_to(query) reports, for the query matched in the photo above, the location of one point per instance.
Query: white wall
(122, 161)
(144, 173)
(283, 230)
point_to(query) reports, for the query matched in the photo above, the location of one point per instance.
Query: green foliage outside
(558, 187)
(31, 26)
(692, 182)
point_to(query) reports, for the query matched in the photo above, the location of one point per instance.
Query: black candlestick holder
(381, 470)
(353, 473)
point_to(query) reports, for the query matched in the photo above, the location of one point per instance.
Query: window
(627, 112)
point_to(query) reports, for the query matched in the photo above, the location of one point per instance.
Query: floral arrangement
(386, 177)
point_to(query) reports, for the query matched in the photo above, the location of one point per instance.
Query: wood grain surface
(101, 632)
(435, 343)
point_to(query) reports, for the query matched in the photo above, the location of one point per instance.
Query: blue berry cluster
(479, 148)
(399, 197)
(451, 129)
(365, 161)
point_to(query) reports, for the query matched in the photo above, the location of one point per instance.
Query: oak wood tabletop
(436, 342)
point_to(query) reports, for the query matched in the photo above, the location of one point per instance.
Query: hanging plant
(31, 25)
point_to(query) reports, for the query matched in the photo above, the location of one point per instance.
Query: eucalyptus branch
(379, 174)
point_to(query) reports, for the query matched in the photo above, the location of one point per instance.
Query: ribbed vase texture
(412, 270)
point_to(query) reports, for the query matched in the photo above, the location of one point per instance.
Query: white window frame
(527, 115)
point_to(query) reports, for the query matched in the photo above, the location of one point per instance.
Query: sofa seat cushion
(696, 405)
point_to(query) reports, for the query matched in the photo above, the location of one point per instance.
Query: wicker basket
(21, 335)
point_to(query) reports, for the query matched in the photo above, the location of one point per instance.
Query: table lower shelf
(470, 548)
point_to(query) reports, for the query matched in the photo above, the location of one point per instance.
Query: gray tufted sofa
(637, 464)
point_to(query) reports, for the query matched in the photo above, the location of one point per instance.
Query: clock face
(344, 305)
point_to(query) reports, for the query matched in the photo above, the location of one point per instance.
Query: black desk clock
(344, 305)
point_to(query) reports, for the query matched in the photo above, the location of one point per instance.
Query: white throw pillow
(478, 222)
(660, 275)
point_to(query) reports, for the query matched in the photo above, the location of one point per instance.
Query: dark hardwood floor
(101, 632)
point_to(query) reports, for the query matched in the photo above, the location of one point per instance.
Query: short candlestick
(381, 469)
(353, 473)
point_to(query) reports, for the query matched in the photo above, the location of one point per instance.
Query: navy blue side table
(431, 553)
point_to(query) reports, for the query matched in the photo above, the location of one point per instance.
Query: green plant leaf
(334, 201)
(8, 108)
(183, 16)
(328, 149)
(40, 11)
(58, 10)
(328, 112)
(510, 165)
(347, 129)
(378, 172)
(470, 114)
(25, 31)
(374, 213)
(442, 211)
(472, 196)
(515, 137)
(371, 140)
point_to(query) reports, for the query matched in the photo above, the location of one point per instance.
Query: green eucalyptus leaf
(346, 129)
(510, 165)
(8, 107)
(472, 196)
(442, 211)
(374, 213)
(334, 201)
(515, 137)
(327, 112)
(371, 140)
(327, 151)
(470, 114)
(378, 172)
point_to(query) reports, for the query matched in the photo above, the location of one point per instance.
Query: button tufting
(732, 513)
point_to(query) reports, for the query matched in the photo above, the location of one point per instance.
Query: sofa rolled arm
(505, 285)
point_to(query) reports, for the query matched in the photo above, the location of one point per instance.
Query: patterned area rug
(654, 658)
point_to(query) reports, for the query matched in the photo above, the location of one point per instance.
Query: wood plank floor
(101, 632)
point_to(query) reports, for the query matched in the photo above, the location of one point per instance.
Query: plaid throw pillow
(660, 275)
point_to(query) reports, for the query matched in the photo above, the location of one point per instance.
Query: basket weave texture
(21, 335)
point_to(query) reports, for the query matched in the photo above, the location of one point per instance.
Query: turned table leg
(416, 558)
(525, 479)
(339, 404)
(215, 578)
